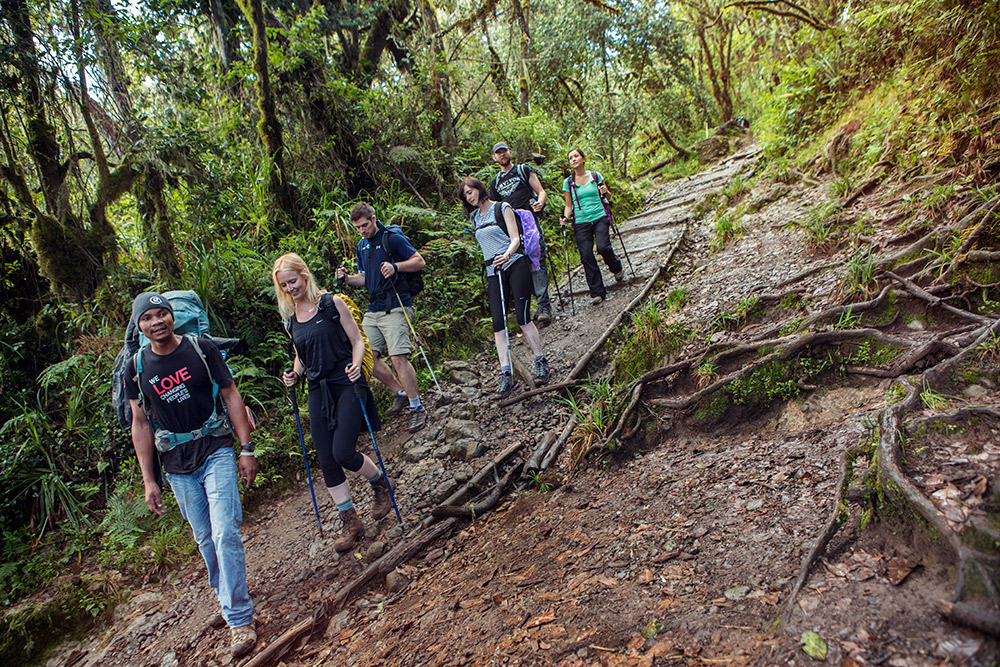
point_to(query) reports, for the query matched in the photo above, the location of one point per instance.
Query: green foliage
(648, 340)
(728, 227)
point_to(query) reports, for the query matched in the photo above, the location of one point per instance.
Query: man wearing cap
(520, 187)
(173, 385)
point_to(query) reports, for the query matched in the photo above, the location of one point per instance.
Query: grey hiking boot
(620, 276)
(543, 316)
(507, 384)
(416, 420)
(596, 300)
(542, 371)
(243, 641)
(352, 530)
(399, 402)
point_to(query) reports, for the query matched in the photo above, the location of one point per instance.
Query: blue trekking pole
(305, 455)
(360, 393)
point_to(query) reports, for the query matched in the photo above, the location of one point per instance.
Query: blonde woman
(329, 352)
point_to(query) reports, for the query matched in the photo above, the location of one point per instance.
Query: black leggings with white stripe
(517, 289)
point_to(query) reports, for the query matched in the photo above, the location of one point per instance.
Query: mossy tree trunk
(71, 254)
(154, 213)
(268, 126)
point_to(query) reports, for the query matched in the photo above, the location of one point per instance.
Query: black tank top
(322, 343)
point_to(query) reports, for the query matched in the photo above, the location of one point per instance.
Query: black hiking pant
(586, 234)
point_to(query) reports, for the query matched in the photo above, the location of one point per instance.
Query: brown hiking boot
(353, 529)
(399, 402)
(243, 641)
(382, 502)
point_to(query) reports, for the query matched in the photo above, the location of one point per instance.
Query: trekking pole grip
(291, 391)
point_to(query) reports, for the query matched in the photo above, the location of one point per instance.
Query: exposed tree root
(833, 524)
(511, 400)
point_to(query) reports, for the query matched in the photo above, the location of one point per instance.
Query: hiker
(329, 351)
(500, 252)
(179, 379)
(383, 255)
(519, 186)
(583, 191)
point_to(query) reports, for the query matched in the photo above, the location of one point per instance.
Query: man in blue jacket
(382, 256)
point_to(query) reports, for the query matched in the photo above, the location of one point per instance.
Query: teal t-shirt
(586, 200)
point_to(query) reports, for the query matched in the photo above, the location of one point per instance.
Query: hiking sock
(346, 505)
(376, 477)
(505, 368)
(401, 392)
(539, 357)
(414, 402)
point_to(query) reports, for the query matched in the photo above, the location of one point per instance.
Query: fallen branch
(277, 648)
(557, 446)
(535, 460)
(623, 418)
(478, 509)
(511, 400)
(585, 359)
(478, 478)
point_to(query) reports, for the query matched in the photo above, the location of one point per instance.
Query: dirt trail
(679, 548)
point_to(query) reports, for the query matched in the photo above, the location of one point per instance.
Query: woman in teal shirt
(583, 191)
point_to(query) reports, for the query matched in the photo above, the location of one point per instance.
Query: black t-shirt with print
(511, 189)
(178, 390)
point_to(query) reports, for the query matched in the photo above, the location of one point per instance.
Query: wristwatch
(248, 448)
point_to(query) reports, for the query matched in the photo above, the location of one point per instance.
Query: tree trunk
(268, 127)
(521, 14)
(227, 44)
(499, 75)
(440, 89)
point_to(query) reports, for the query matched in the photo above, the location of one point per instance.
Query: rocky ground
(679, 547)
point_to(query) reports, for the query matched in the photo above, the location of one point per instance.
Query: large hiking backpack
(325, 302)
(190, 317)
(527, 227)
(410, 281)
(604, 200)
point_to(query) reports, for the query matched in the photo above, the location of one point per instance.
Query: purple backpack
(527, 228)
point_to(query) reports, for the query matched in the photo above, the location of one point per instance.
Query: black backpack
(411, 282)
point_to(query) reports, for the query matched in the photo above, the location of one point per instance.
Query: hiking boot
(382, 502)
(416, 420)
(352, 530)
(620, 276)
(399, 402)
(543, 316)
(542, 371)
(507, 384)
(216, 622)
(244, 639)
(596, 300)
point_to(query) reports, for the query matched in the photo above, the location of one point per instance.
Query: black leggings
(517, 289)
(336, 448)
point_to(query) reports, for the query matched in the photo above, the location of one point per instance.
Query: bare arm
(145, 452)
(567, 208)
(540, 194)
(411, 265)
(354, 335)
(241, 427)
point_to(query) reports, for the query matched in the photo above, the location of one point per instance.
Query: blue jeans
(210, 501)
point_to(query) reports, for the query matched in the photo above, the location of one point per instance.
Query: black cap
(147, 301)
(500, 145)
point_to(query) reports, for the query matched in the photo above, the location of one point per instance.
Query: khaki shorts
(388, 331)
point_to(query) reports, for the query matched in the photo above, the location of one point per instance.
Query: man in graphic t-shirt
(176, 413)
(520, 187)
